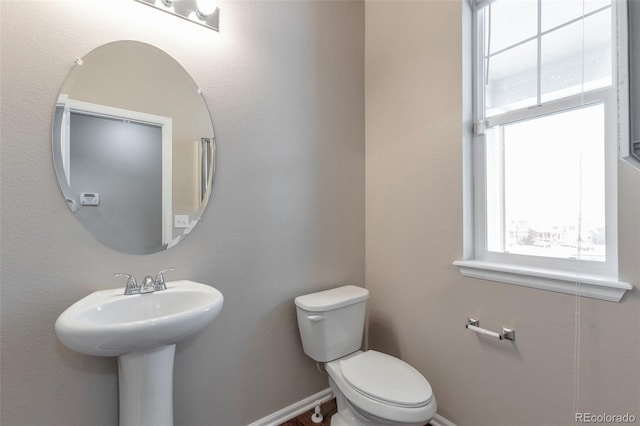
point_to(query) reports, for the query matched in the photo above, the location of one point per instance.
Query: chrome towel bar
(507, 333)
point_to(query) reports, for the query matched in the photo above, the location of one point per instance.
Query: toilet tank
(331, 322)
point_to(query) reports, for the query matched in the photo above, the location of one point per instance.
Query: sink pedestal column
(146, 387)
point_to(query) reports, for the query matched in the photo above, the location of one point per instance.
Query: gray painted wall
(420, 302)
(285, 85)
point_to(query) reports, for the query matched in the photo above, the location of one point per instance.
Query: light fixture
(205, 8)
(201, 12)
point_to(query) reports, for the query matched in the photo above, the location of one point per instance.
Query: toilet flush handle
(315, 318)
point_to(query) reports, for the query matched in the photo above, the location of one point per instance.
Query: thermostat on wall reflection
(89, 199)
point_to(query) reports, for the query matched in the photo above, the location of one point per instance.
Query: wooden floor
(327, 409)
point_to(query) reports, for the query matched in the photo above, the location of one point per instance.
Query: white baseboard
(438, 420)
(294, 409)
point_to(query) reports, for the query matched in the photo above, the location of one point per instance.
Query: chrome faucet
(159, 283)
(132, 286)
(149, 284)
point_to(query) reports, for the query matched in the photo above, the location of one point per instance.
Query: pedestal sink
(142, 331)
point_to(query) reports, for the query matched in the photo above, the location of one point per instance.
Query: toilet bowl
(380, 389)
(371, 388)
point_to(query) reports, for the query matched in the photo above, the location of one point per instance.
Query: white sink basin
(142, 331)
(108, 323)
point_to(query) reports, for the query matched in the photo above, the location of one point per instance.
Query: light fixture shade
(201, 12)
(206, 7)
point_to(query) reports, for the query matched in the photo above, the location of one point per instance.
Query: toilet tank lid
(332, 299)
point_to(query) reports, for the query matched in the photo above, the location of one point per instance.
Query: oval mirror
(133, 147)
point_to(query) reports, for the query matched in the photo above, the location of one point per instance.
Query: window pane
(511, 22)
(562, 57)
(512, 79)
(545, 186)
(558, 12)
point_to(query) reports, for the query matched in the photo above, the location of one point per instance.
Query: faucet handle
(159, 282)
(132, 285)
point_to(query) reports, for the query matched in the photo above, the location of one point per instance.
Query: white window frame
(587, 278)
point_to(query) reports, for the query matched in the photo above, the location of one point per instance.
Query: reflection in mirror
(133, 147)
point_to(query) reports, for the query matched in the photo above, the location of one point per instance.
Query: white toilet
(371, 388)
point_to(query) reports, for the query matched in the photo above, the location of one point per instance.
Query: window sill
(593, 286)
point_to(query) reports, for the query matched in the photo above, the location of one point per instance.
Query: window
(545, 145)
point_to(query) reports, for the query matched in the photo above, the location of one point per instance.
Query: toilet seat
(386, 379)
(409, 407)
